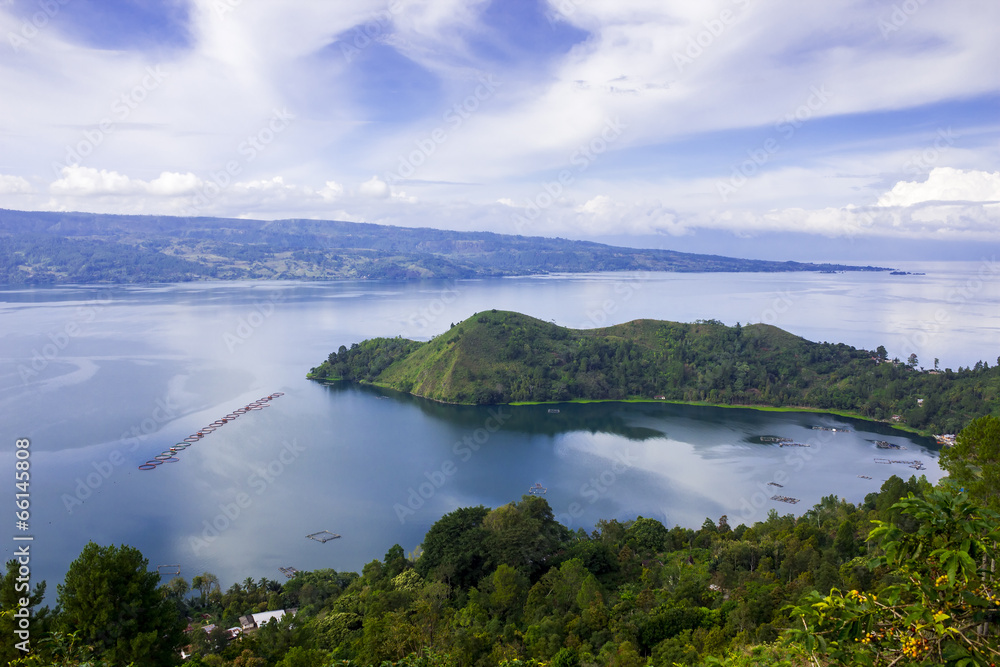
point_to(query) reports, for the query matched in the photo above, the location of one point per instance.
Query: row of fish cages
(916, 464)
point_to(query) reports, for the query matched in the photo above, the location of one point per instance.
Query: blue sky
(698, 125)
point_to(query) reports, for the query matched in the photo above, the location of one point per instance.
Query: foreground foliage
(905, 578)
(942, 606)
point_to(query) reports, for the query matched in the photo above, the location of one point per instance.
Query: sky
(729, 126)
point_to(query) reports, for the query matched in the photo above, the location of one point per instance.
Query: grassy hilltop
(504, 357)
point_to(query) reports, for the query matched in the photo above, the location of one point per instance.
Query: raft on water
(167, 455)
(882, 444)
(323, 536)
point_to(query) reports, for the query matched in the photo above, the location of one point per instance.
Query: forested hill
(46, 247)
(505, 357)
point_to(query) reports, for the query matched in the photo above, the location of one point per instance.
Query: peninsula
(497, 357)
(39, 247)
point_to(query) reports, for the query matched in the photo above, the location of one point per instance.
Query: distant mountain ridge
(38, 247)
(500, 357)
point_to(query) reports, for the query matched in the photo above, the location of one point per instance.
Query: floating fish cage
(323, 536)
(169, 455)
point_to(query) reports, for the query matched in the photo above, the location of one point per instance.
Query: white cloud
(331, 191)
(945, 184)
(13, 185)
(86, 181)
(375, 187)
(169, 183)
(90, 181)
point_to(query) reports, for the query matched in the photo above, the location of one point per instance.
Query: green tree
(973, 463)
(112, 601)
(298, 656)
(206, 583)
(522, 535)
(943, 595)
(647, 536)
(509, 588)
(454, 547)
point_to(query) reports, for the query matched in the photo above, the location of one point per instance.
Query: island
(503, 357)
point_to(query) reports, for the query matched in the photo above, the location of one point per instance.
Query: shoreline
(762, 408)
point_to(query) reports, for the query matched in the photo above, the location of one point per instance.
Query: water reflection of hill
(528, 419)
(621, 418)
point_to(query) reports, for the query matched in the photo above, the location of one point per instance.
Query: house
(254, 621)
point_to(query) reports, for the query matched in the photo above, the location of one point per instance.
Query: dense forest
(46, 247)
(504, 357)
(902, 579)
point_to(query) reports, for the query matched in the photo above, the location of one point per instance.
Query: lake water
(102, 379)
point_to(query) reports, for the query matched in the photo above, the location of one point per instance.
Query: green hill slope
(504, 357)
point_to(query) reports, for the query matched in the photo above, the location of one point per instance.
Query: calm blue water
(102, 379)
